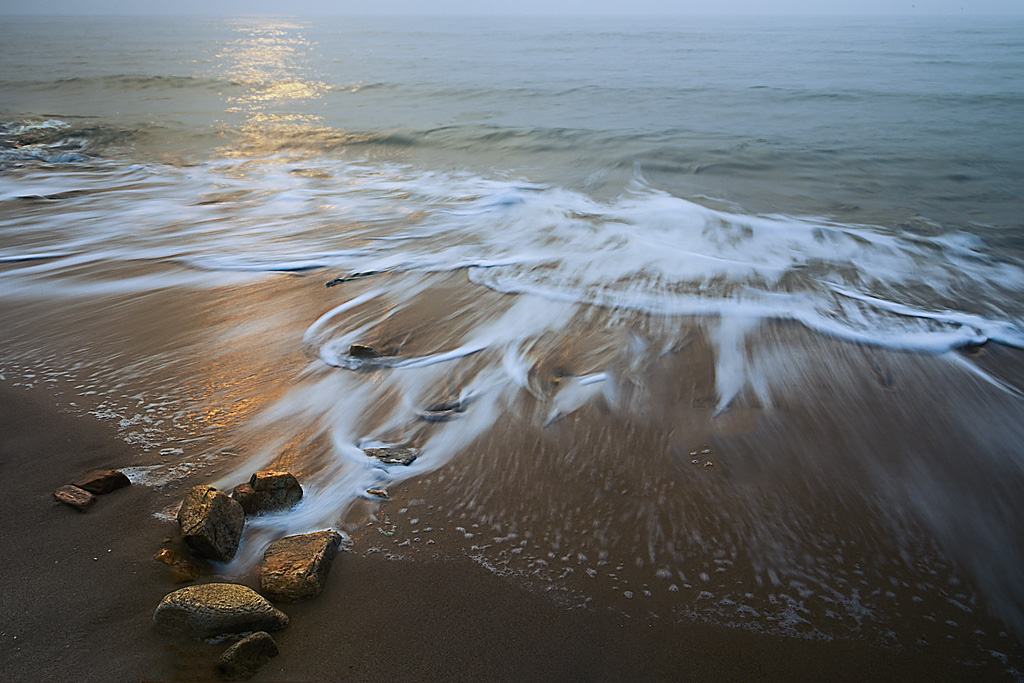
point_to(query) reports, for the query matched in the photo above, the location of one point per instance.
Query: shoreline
(71, 615)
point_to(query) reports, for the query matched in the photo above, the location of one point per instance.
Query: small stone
(378, 493)
(211, 523)
(442, 412)
(398, 455)
(268, 491)
(242, 660)
(77, 498)
(182, 571)
(363, 351)
(215, 609)
(295, 567)
(99, 482)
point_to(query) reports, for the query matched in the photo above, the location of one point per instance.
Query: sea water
(731, 309)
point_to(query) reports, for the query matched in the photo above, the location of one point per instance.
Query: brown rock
(268, 491)
(295, 567)
(246, 497)
(397, 455)
(215, 609)
(75, 497)
(182, 571)
(242, 660)
(102, 481)
(211, 523)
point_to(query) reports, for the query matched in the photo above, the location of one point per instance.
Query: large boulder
(99, 482)
(268, 491)
(216, 609)
(211, 523)
(295, 567)
(242, 660)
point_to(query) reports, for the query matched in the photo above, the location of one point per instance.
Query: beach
(706, 336)
(80, 590)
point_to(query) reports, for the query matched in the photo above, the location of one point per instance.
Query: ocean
(717, 319)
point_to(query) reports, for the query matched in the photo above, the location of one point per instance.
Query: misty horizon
(528, 8)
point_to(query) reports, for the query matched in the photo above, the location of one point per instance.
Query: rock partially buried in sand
(99, 482)
(442, 412)
(398, 455)
(295, 567)
(363, 351)
(75, 497)
(216, 609)
(242, 660)
(268, 491)
(182, 571)
(211, 523)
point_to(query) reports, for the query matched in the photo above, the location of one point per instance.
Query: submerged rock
(211, 523)
(242, 660)
(442, 412)
(363, 351)
(216, 609)
(99, 482)
(75, 497)
(182, 571)
(295, 567)
(268, 491)
(397, 455)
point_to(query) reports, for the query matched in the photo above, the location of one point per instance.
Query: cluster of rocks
(81, 493)
(293, 568)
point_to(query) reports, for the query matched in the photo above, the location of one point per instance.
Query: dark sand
(78, 592)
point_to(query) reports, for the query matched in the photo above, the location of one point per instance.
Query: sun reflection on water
(272, 62)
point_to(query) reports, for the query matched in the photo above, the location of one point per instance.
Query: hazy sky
(570, 7)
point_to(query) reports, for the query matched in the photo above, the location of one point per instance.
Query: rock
(363, 351)
(268, 491)
(398, 455)
(211, 523)
(77, 498)
(182, 571)
(246, 497)
(242, 660)
(442, 412)
(215, 609)
(295, 567)
(102, 481)
(378, 492)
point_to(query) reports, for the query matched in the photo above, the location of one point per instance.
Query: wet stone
(363, 351)
(211, 523)
(75, 497)
(99, 482)
(242, 660)
(216, 609)
(295, 567)
(398, 455)
(442, 412)
(268, 491)
(182, 571)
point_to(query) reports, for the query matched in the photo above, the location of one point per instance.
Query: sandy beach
(79, 591)
(708, 338)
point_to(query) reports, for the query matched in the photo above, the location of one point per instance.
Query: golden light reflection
(272, 62)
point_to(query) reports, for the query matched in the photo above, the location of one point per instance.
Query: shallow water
(731, 312)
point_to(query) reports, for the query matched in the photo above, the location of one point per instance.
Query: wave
(128, 81)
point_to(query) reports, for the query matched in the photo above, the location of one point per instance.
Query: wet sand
(79, 589)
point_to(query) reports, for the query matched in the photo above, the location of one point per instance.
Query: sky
(518, 7)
